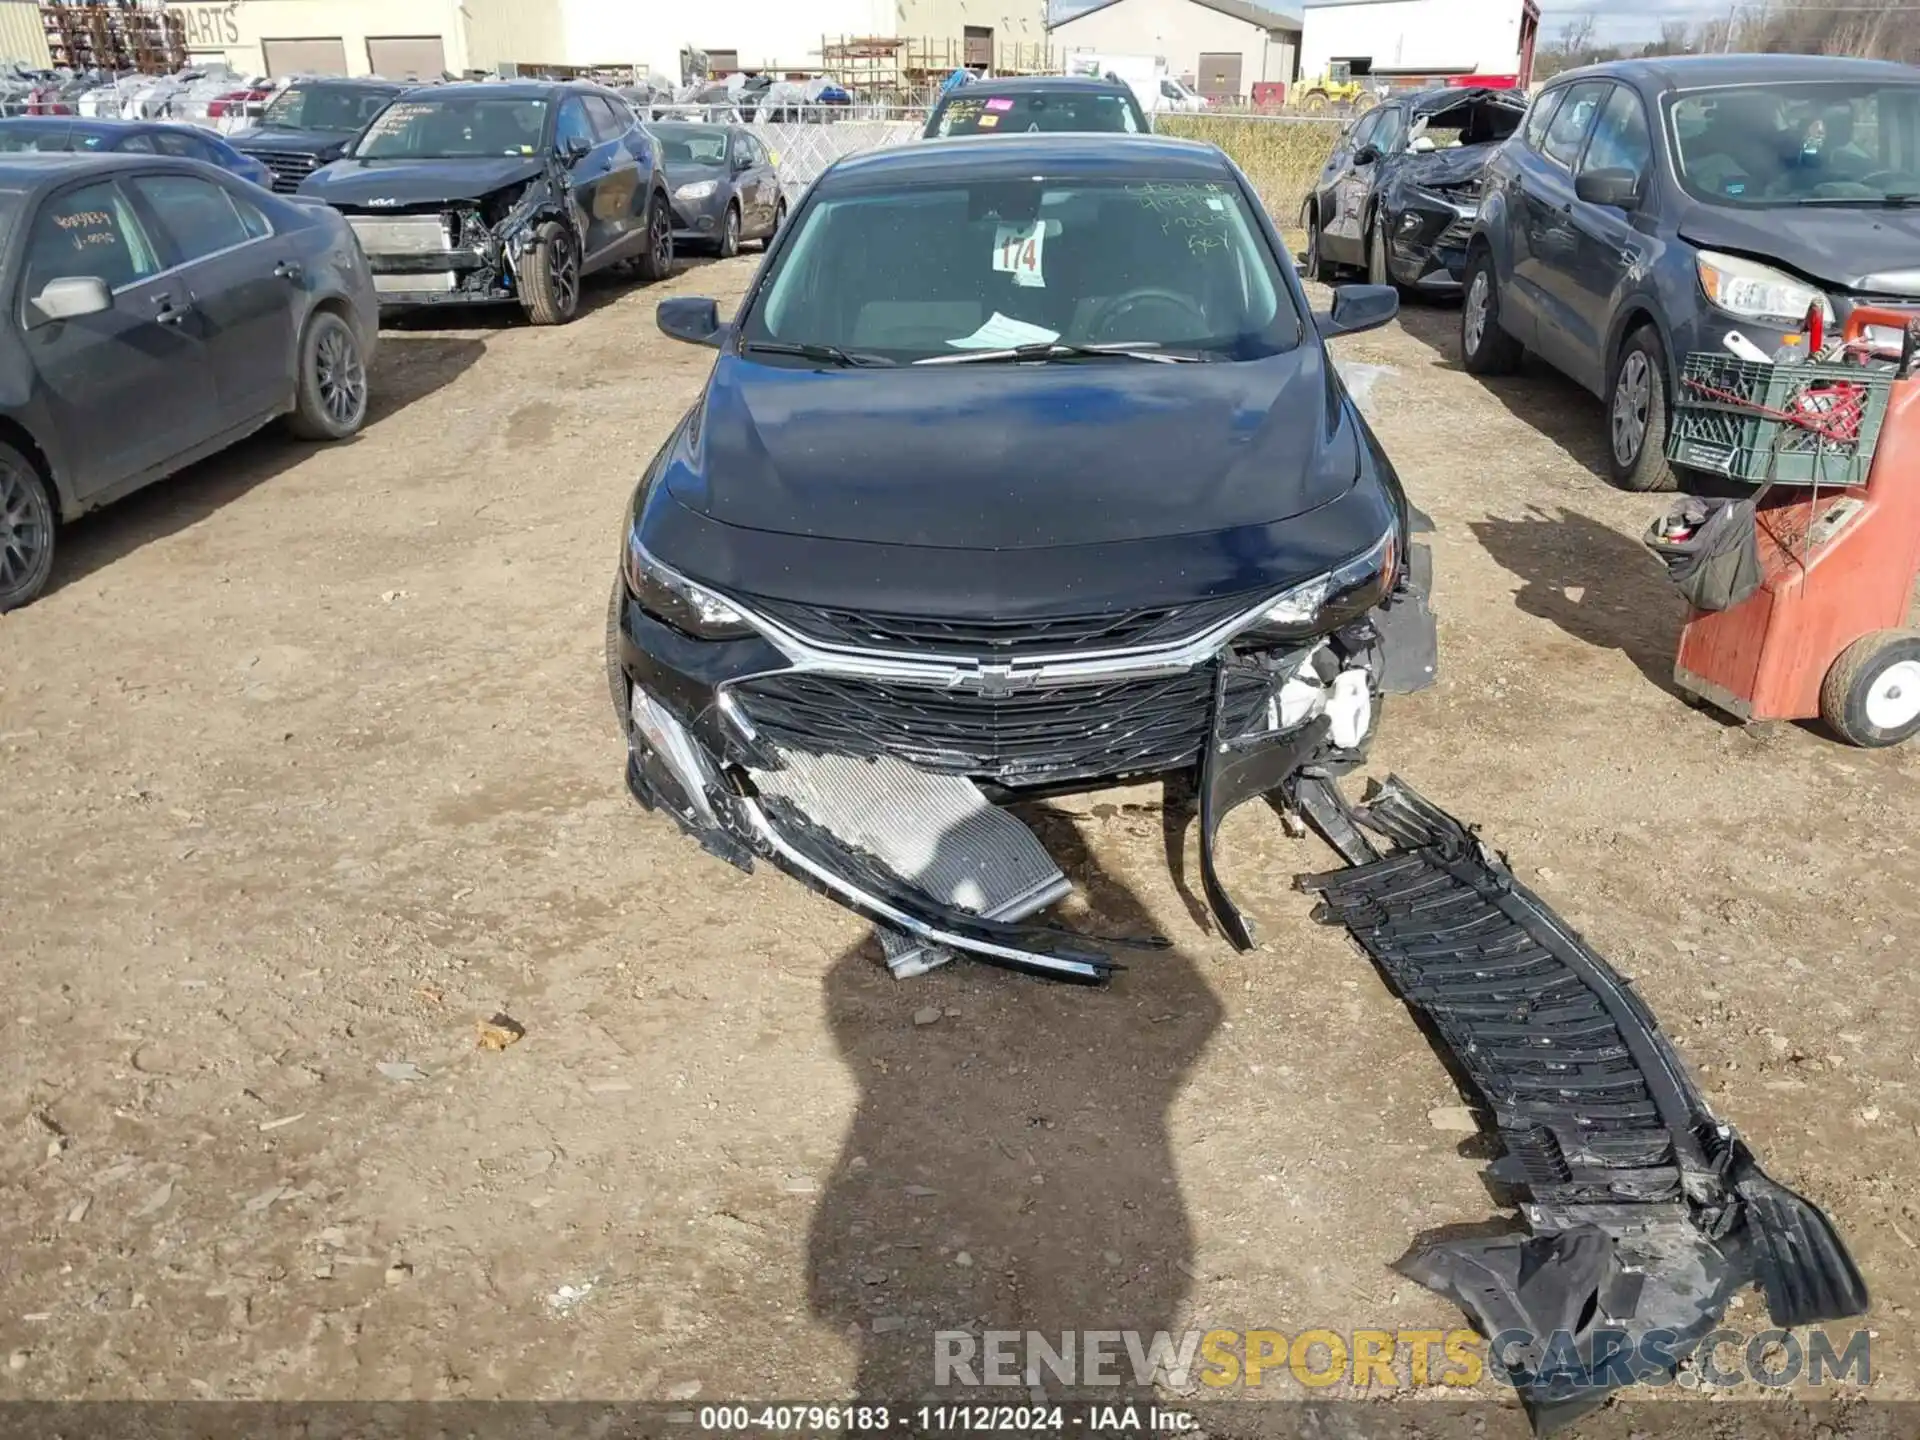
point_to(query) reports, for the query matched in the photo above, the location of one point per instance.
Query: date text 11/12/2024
(1086, 1419)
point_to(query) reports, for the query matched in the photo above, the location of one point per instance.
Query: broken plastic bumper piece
(1643, 1213)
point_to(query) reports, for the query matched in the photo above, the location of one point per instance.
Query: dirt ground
(309, 766)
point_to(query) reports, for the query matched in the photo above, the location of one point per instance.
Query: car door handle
(167, 313)
(290, 270)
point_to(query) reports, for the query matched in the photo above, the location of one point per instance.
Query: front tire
(550, 291)
(1318, 266)
(330, 392)
(1871, 696)
(656, 261)
(1378, 271)
(729, 242)
(1637, 415)
(1485, 348)
(27, 530)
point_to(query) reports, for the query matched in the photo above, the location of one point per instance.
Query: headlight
(676, 601)
(1757, 292)
(1329, 601)
(696, 190)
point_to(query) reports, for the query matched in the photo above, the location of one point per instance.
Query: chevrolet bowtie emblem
(1002, 680)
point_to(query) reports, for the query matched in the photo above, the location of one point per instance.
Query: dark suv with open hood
(1022, 469)
(311, 123)
(1648, 207)
(502, 191)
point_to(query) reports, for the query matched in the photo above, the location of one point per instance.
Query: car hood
(1015, 457)
(417, 182)
(299, 142)
(1452, 166)
(1847, 247)
(682, 172)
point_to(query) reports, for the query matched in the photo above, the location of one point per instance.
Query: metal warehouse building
(425, 37)
(1227, 46)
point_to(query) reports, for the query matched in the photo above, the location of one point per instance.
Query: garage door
(305, 57)
(1220, 76)
(407, 57)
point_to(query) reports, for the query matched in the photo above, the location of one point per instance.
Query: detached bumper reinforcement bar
(1644, 1213)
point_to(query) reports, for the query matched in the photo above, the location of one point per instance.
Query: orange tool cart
(1827, 631)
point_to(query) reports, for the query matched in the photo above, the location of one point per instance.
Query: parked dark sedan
(128, 137)
(1021, 104)
(1647, 208)
(724, 185)
(1401, 190)
(311, 123)
(1022, 469)
(503, 191)
(162, 309)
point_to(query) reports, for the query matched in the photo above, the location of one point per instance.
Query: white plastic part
(1350, 708)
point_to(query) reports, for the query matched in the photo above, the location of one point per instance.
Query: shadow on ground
(1017, 1174)
(406, 369)
(1596, 584)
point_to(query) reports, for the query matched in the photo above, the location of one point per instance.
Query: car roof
(1688, 72)
(39, 169)
(1147, 157)
(1022, 84)
(106, 124)
(517, 89)
(352, 82)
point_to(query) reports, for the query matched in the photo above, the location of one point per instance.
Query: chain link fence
(803, 148)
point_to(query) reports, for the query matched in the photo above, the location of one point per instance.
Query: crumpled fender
(547, 197)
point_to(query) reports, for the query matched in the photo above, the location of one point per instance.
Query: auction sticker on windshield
(395, 118)
(1020, 250)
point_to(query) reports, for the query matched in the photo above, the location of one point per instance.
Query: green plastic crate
(1727, 438)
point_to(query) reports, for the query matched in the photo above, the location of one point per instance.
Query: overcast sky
(1614, 20)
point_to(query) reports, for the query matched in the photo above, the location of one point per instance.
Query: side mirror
(1366, 154)
(693, 318)
(576, 148)
(1355, 308)
(74, 296)
(742, 164)
(1618, 188)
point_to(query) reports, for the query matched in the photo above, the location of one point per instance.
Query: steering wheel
(1885, 179)
(1185, 313)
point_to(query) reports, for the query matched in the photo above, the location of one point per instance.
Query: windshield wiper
(1014, 354)
(832, 354)
(1892, 202)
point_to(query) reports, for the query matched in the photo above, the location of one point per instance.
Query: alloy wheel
(660, 241)
(1632, 396)
(1479, 295)
(730, 239)
(565, 272)
(26, 529)
(340, 376)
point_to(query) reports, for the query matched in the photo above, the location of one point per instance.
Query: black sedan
(128, 137)
(724, 185)
(164, 310)
(1400, 192)
(1022, 104)
(311, 123)
(1022, 469)
(1649, 208)
(502, 192)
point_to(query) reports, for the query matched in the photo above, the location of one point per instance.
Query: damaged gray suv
(1022, 470)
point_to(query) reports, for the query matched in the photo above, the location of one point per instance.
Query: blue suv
(1648, 207)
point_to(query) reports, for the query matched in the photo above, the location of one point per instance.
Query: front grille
(1006, 639)
(288, 168)
(1057, 733)
(401, 235)
(1457, 234)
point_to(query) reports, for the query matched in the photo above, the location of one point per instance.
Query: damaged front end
(879, 777)
(457, 251)
(1430, 195)
(1644, 1214)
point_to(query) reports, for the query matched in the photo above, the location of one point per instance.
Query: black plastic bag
(1711, 550)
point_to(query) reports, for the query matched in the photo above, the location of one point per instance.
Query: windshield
(14, 138)
(339, 108)
(1784, 143)
(941, 269)
(454, 128)
(1061, 110)
(692, 146)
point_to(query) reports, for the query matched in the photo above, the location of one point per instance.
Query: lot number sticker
(1020, 251)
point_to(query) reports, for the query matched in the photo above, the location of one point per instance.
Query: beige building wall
(244, 31)
(520, 32)
(1013, 22)
(1180, 32)
(22, 35)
